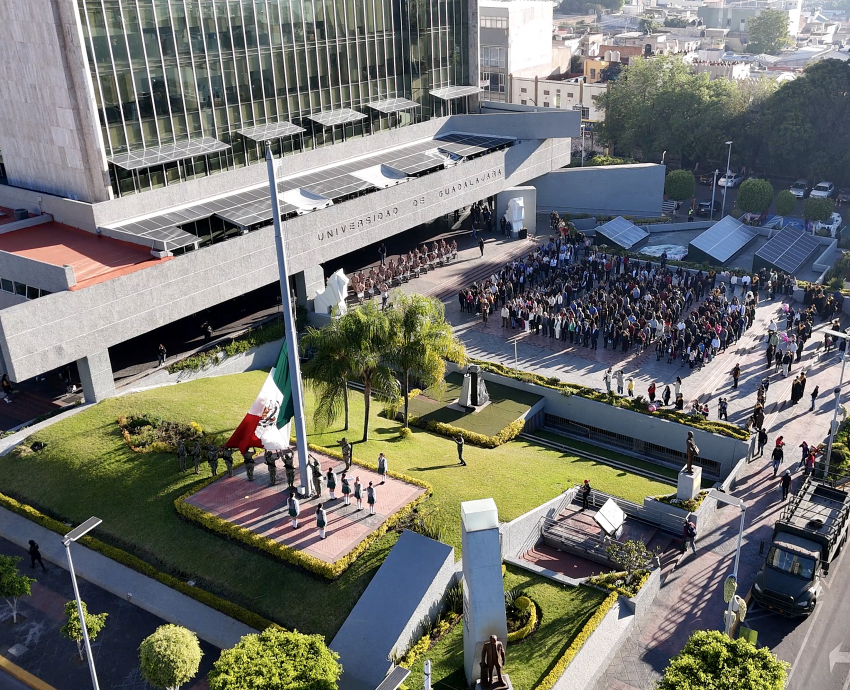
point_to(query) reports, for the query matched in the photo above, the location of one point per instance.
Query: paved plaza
(262, 509)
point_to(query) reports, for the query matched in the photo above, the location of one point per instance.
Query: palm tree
(367, 337)
(328, 371)
(422, 341)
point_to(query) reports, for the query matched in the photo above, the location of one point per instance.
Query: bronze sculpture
(692, 452)
(492, 659)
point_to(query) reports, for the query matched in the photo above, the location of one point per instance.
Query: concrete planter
(639, 603)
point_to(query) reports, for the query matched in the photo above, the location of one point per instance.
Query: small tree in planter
(170, 657)
(817, 209)
(786, 202)
(631, 555)
(74, 631)
(679, 185)
(13, 584)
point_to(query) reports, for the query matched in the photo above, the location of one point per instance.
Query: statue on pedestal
(492, 659)
(692, 452)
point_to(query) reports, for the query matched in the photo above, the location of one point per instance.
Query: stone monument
(690, 476)
(333, 296)
(515, 215)
(473, 390)
(483, 588)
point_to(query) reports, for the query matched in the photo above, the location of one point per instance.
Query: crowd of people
(389, 273)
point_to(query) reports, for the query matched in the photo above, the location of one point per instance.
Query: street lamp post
(832, 428)
(72, 536)
(726, 186)
(713, 191)
(721, 497)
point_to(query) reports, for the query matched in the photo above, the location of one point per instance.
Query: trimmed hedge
(228, 608)
(287, 554)
(689, 504)
(561, 666)
(528, 628)
(424, 643)
(608, 580)
(632, 404)
(511, 431)
(265, 333)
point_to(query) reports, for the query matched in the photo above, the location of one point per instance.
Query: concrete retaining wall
(522, 533)
(36, 273)
(25, 223)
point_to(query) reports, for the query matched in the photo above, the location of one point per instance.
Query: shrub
(616, 582)
(631, 555)
(530, 624)
(454, 597)
(786, 202)
(689, 504)
(265, 333)
(170, 656)
(404, 432)
(148, 434)
(679, 185)
(510, 432)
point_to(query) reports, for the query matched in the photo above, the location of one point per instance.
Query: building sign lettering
(359, 223)
(469, 183)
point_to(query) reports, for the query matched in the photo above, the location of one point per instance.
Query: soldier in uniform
(358, 493)
(331, 483)
(346, 489)
(212, 458)
(316, 468)
(196, 456)
(346, 452)
(294, 509)
(270, 463)
(227, 455)
(382, 467)
(371, 498)
(249, 463)
(321, 520)
(181, 454)
(289, 467)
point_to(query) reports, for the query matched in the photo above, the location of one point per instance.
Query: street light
(713, 190)
(726, 185)
(832, 428)
(721, 497)
(74, 535)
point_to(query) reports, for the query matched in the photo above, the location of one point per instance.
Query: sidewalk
(35, 644)
(691, 595)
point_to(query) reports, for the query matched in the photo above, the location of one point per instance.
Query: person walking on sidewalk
(785, 483)
(35, 556)
(690, 533)
(776, 458)
(762, 441)
(736, 373)
(814, 397)
(160, 355)
(481, 245)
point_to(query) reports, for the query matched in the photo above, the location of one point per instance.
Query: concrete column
(307, 283)
(96, 376)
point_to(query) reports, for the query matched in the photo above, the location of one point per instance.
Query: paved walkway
(263, 509)
(35, 644)
(691, 595)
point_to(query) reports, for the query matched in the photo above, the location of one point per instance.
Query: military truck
(806, 538)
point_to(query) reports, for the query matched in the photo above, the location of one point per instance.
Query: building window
(523, 90)
(592, 73)
(523, 102)
(545, 104)
(493, 56)
(545, 93)
(21, 289)
(569, 94)
(494, 22)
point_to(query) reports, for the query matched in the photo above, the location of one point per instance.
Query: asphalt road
(7, 682)
(817, 646)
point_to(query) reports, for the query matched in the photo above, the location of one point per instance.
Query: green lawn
(87, 469)
(506, 405)
(564, 610)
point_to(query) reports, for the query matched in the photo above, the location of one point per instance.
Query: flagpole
(289, 332)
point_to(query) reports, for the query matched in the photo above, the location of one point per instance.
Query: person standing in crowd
(371, 498)
(382, 253)
(762, 440)
(736, 373)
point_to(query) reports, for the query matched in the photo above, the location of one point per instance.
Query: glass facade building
(167, 72)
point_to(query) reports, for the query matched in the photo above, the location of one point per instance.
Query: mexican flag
(267, 423)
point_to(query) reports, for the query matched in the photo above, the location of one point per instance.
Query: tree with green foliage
(768, 32)
(13, 585)
(170, 657)
(589, 6)
(277, 660)
(713, 661)
(631, 555)
(74, 631)
(647, 25)
(755, 196)
(367, 332)
(817, 209)
(327, 371)
(422, 341)
(676, 22)
(679, 185)
(786, 202)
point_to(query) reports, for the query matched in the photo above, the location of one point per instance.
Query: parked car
(705, 208)
(731, 181)
(801, 189)
(823, 190)
(843, 196)
(833, 224)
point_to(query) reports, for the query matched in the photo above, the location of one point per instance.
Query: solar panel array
(252, 207)
(724, 239)
(168, 153)
(622, 232)
(789, 249)
(271, 130)
(449, 92)
(329, 118)
(393, 105)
